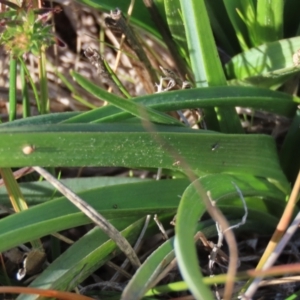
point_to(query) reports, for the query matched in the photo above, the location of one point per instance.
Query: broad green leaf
(133, 146)
(266, 65)
(138, 110)
(118, 201)
(84, 257)
(192, 207)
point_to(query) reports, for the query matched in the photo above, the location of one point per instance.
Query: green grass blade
(43, 82)
(176, 26)
(155, 263)
(17, 199)
(42, 191)
(192, 207)
(205, 61)
(12, 88)
(83, 258)
(291, 18)
(266, 65)
(184, 245)
(221, 188)
(227, 96)
(222, 27)
(137, 110)
(289, 161)
(159, 13)
(116, 80)
(32, 84)
(25, 96)
(70, 86)
(193, 36)
(52, 118)
(248, 15)
(203, 52)
(270, 20)
(256, 98)
(239, 26)
(119, 201)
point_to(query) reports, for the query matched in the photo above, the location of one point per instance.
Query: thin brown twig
(96, 217)
(214, 212)
(277, 246)
(283, 223)
(118, 57)
(19, 173)
(136, 247)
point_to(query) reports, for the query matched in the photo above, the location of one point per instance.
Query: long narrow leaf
(260, 99)
(107, 145)
(136, 109)
(176, 25)
(289, 161)
(42, 191)
(270, 20)
(222, 27)
(256, 98)
(155, 264)
(232, 6)
(191, 208)
(118, 201)
(205, 60)
(83, 258)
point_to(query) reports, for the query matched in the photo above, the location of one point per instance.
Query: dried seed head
(116, 14)
(28, 149)
(296, 58)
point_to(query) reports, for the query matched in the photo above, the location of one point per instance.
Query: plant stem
(12, 88)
